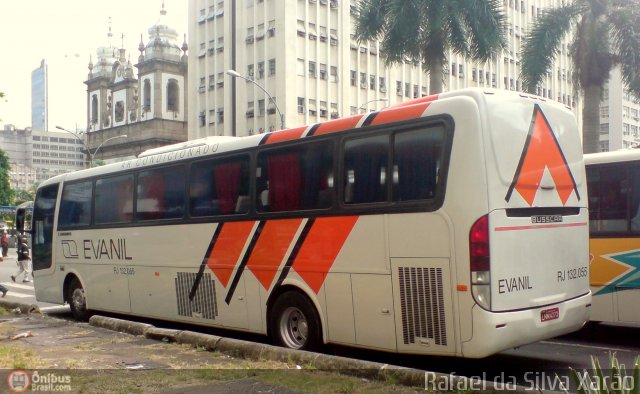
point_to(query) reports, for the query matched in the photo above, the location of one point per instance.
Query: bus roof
(185, 145)
(612, 157)
(202, 147)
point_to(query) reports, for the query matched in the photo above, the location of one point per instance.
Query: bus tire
(78, 301)
(294, 322)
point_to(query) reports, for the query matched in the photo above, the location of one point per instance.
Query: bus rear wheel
(77, 301)
(295, 323)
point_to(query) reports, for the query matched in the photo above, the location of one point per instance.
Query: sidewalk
(11, 261)
(9, 257)
(85, 358)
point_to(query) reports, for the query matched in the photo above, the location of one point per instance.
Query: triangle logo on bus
(542, 151)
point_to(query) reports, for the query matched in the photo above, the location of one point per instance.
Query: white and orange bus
(453, 225)
(613, 180)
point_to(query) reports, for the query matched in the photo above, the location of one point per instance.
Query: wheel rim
(294, 329)
(78, 300)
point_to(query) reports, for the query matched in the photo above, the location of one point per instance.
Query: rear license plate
(550, 314)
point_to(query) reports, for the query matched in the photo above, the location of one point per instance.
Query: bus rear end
(528, 253)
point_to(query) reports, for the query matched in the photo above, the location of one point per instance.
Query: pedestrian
(3, 290)
(4, 242)
(23, 261)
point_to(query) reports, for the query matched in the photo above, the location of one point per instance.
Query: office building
(35, 156)
(303, 53)
(619, 110)
(39, 98)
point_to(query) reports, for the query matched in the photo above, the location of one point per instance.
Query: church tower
(128, 114)
(162, 72)
(99, 100)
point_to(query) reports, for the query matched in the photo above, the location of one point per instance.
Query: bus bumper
(497, 331)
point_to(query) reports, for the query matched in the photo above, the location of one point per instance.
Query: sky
(65, 33)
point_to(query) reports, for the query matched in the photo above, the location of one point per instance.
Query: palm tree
(606, 34)
(426, 30)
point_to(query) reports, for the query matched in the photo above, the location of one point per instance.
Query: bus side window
(416, 154)
(161, 193)
(365, 169)
(114, 199)
(317, 169)
(593, 191)
(295, 178)
(634, 176)
(219, 187)
(284, 180)
(75, 205)
(613, 192)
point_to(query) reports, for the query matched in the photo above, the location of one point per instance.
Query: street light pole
(235, 74)
(91, 155)
(365, 105)
(100, 146)
(79, 138)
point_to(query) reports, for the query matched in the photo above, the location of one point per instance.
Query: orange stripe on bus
(321, 247)
(269, 252)
(400, 113)
(285, 135)
(226, 251)
(425, 99)
(338, 125)
(541, 226)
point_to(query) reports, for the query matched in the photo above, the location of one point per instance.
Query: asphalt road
(19, 291)
(538, 362)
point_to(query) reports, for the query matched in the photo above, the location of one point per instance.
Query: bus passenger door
(41, 239)
(42, 231)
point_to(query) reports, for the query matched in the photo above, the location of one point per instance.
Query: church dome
(163, 40)
(107, 56)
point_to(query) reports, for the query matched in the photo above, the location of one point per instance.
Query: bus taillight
(480, 262)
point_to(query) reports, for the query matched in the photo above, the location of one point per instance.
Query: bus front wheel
(295, 323)
(77, 301)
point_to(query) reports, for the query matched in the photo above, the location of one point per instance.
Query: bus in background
(613, 181)
(23, 221)
(455, 224)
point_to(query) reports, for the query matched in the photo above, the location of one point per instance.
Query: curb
(258, 351)
(24, 309)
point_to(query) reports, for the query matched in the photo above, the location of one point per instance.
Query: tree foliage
(6, 194)
(25, 195)
(1, 96)
(426, 30)
(606, 34)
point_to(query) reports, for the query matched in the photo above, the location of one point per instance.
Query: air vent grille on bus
(204, 304)
(422, 303)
